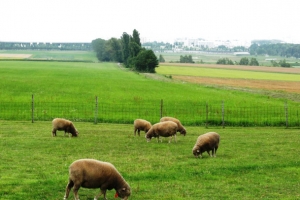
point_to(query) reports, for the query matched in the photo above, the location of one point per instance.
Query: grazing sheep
(61, 124)
(207, 142)
(90, 173)
(141, 125)
(164, 129)
(181, 129)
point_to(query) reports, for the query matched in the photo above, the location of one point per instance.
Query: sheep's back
(165, 128)
(60, 123)
(208, 140)
(141, 123)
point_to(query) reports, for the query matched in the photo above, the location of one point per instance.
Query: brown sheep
(141, 125)
(164, 129)
(181, 128)
(60, 124)
(207, 142)
(90, 173)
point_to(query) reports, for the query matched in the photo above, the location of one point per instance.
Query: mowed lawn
(251, 163)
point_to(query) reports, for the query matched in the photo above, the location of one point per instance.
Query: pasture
(251, 163)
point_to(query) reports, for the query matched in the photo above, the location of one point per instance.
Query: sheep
(61, 124)
(141, 125)
(91, 173)
(164, 129)
(181, 128)
(207, 142)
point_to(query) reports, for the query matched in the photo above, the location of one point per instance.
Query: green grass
(124, 95)
(226, 73)
(251, 163)
(89, 56)
(212, 58)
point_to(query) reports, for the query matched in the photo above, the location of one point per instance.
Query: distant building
(241, 53)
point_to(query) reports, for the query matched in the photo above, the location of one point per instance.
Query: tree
(99, 47)
(161, 59)
(244, 61)
(125, 48)
(225, 61)
(253, 62)
(114, 48)
(136, 37)
(146, 61)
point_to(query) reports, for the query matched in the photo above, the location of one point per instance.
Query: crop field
(87, 56)
(212, 58)
(251, 163)
(267, 78)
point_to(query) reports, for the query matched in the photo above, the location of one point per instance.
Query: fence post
(286, 116)
(161, 108)
(223, 123)
(32, 108)
(206, 123)
(96, 110)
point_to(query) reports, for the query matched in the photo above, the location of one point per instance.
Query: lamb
(90, 173)
(141, 125)
(61, 124)
(164, 129)
(207, 142)
(181, 128)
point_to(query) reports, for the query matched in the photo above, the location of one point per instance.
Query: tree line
(278, 49)
(45, 46)
(127, 50)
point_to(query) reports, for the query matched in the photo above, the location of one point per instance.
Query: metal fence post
(161, 108)
(286, 116)
(32, 108)
(206, 123)
(223, 123)
(96, 110)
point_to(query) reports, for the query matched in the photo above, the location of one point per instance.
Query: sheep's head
(123, 193)
(148, 137)
(76, 134)
(183, 132)
(197, 152)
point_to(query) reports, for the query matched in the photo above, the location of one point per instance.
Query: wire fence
(199, 115)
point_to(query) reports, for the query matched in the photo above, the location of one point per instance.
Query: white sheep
(181, 128)
(60, 124)
(164, 129)
(141, 125)
(90, 173)
(207, 142)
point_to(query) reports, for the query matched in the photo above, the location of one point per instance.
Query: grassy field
(251, 163)
(226, 73)
(122, 92)
(88, 56)
(212, 58)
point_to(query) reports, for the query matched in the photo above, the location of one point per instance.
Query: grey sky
(83, 21)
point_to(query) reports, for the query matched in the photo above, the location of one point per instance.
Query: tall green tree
(98, 46)
(136, 37)
(114, 48)
(253, 62)
(125, 40)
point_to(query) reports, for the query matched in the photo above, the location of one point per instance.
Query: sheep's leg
(175, 138)
(216, 148)
(75, 191)
(53, 132)
(102, 192)
(68, 188)
(139, 132)
(209, 153)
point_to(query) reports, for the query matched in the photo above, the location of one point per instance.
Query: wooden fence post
(96, 110)
(32, 108)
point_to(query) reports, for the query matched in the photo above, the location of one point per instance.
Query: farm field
(251, 163)
(212, 58)
(87, 56)
(253, 77)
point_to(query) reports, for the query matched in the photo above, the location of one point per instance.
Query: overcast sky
(160, 20)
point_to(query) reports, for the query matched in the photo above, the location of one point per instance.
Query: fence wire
(198, 115)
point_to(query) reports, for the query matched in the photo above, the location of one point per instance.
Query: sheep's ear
(123, 189)
(198, 151)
